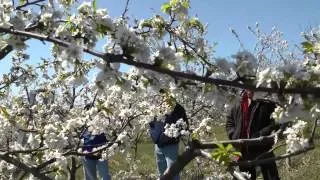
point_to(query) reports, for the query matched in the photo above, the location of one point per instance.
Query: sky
(289, 16)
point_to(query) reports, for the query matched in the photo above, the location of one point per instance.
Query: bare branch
(267, 160)
(27, 3)
(238, 142)
(43, 165)
(125, 10)
(271, 150)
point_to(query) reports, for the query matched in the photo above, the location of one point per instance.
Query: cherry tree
(42, 116)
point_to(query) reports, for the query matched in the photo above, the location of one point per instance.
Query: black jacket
(260, 122)
(170, 118)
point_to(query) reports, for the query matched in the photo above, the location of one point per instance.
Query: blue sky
(289, 16)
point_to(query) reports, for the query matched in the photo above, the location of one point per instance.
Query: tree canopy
(42, 112)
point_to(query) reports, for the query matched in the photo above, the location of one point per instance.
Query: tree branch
(27, 3)
(34, 171)
(267, 160)
(8, 48)
(183, 159)
(313, 132)
(235, 143)
(125, 10)
(129, 60)
(28, 151)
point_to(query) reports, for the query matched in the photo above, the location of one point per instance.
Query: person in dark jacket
(251, 119)
(166, 148)
(93, 162)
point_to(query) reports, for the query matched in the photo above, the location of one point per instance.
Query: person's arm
(230, 124)
(181, 113)
(267, 130)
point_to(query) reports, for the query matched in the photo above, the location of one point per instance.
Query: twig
(253, 141)
(125, 10)
(271, 150)
(231, 170)
(237, 37)
(28, 4)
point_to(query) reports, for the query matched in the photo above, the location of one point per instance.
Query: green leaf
(64, 76)
(22, 2)
(195, 23)
(166, 7)
(102, 29)
(186, 4)
(195, 136)
(229, 147)
(107, 110)
(173, 2)
(120, 81)
(220, 146)
(307, 46)
(146, 23)
(4, 111)
(208, 87)
(158, 62)
(94, 5)
(236, 153)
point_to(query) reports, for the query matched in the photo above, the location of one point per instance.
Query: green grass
(305, 166)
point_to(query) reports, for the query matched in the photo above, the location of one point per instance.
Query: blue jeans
(90, 167)
(166, 156)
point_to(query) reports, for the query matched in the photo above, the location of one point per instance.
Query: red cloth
(245, 130)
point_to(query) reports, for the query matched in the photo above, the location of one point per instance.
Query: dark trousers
(269, 170)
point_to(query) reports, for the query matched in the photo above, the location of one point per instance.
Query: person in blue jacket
(93, 162)
(166, 148)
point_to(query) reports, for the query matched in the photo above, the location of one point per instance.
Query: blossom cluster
(295, 139)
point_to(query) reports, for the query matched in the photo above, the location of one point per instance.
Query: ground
(303, 167)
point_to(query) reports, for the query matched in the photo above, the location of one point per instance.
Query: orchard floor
(303, 167)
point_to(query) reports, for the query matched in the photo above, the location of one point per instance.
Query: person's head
(246, 93)
(167, 101)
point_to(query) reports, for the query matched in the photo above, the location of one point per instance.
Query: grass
(304, 166)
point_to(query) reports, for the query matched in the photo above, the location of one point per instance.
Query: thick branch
(5, 51)
(195, 147)
(8, 48)
(34, 171)
(27, 151)
(183, 159)
(267, 160)
(129, 60)
(221, 82)
(48, 39)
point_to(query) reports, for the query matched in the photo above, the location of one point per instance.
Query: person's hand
(236, 158)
